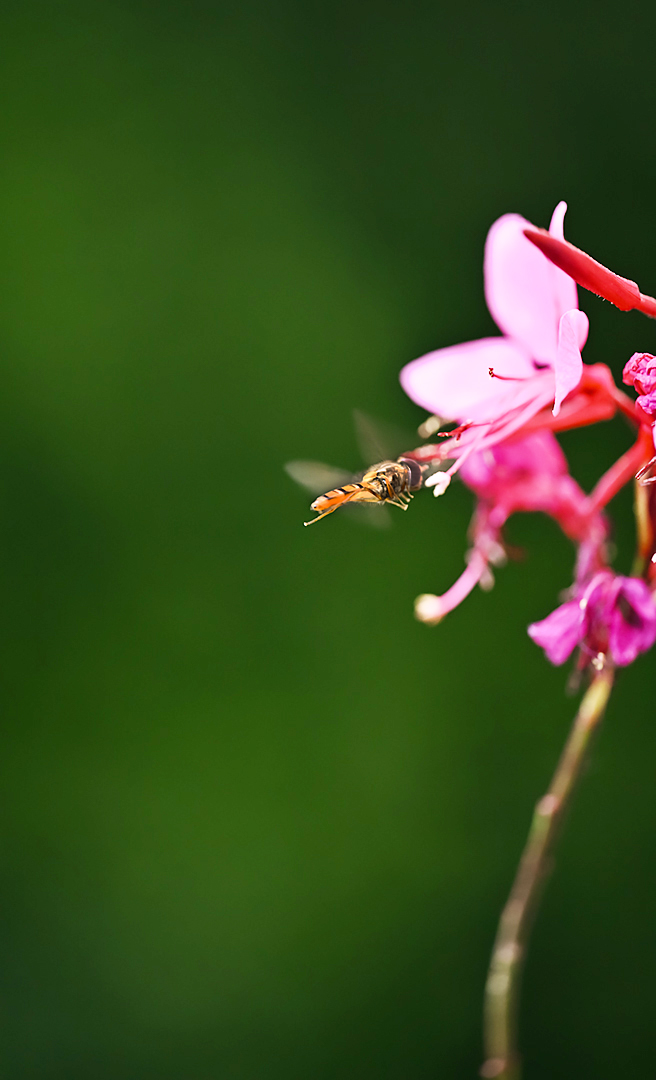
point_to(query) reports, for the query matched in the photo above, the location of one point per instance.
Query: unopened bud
(640, 372)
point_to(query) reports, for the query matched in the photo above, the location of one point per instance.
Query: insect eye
(415, 472)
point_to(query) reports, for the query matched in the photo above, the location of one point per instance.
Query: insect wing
(316, 477)
(376, 516)
(378, 441)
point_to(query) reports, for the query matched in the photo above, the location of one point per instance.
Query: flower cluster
(612, 615)
(640, 372)
(507, 396)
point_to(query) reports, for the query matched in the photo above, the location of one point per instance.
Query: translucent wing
(316, 477)
(378, 441)
(376, 516)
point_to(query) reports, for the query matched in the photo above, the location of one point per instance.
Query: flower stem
(502, 1059)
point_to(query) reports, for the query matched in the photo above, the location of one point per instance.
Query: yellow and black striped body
(387, 482)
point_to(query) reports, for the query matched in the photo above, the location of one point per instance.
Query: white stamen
(439, 481)
(496, 554)
(428, 609)
(486, 582)
(434, 479)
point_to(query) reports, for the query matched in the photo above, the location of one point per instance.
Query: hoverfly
(389, 482)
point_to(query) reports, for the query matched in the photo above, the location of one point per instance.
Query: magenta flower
(528, 474)
(612, 615)
(507, 395)
(494, 386)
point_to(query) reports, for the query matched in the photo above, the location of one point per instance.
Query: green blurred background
(257, 822)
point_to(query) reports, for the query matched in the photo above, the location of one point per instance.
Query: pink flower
(528, 474)
(500, 387)
(612, 615)
(494, 386)
(508, 395)
(640, 372)
(560, 632)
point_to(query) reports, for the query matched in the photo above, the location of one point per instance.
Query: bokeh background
(257, 822)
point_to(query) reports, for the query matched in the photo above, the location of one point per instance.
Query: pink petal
(557, 224)
(525, 294)
(493, 473)
(564, 285)
(632, 627)
(455, 382)
(572, 335)
(560, 632)
(538, 454)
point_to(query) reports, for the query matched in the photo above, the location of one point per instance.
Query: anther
(505, 378)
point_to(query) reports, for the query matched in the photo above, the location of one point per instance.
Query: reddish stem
(623, 470)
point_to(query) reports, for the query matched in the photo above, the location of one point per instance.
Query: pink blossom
(560, 632)
(640, 372)
(500, 387)
(507, 396)
(612, 615)
(494, 386)
(528, 474)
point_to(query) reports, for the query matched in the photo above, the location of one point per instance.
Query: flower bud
(640, 372)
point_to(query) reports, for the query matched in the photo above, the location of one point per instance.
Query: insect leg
(323, 514)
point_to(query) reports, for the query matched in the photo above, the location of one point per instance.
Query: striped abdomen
(349, 493)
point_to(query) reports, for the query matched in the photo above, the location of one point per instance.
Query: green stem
(502, 1060)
